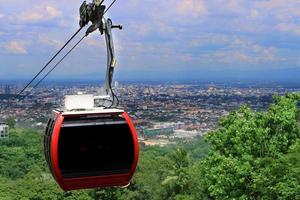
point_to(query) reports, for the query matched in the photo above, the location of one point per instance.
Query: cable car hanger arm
(94, 12)
(111, 60)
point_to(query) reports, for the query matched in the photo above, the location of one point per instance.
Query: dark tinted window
(91, 149)
(47, 142)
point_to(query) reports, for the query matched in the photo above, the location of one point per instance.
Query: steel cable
(49, 62)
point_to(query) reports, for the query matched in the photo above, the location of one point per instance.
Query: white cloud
(233, 6)
(186, 58)
(194, 7)
(95, 42)
(246, 52)
(39, 13)
(141, 29)
(272, 4)
(279, 10)
(209, 39)
(254, 13)
(52, 11)
(50, 41)
(289, 27)
(239, 56)
(16, 47)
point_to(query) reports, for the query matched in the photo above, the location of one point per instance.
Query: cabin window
(47, 142)
(92, 147)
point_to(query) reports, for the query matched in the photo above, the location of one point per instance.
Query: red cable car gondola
(87, 145)
(91, 149)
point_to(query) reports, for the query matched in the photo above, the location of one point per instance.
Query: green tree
(255, 155)
(176, 184)
(11, 122)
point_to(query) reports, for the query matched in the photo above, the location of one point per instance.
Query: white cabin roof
(90, 111)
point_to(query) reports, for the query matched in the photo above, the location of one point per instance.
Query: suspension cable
(38, 83)
(109, 6)
(49, 62)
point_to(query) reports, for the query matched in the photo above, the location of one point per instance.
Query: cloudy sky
(160, 39)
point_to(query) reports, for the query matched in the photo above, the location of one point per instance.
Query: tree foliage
(11, 122)
(255, 155)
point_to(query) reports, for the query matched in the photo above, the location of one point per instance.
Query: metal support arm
(111, 61)
(93, 12)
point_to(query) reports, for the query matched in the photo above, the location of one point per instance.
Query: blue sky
(171, 38)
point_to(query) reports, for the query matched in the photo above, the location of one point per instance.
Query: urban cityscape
(163, 113)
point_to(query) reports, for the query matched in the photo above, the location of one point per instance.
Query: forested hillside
(252, 155)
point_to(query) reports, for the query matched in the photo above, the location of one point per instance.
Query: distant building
(117, 84)
(7, 90)
(158, 131)
(4, 131)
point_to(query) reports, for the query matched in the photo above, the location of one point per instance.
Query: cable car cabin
(91, 149)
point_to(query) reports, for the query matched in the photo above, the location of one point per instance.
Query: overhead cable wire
(109, 6)
(44, 67)
(54, 67)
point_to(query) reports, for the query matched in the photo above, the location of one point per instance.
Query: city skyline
(170, 40)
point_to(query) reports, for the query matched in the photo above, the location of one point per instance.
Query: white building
(4, 131)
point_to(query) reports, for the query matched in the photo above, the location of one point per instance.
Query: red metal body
(91, 181)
